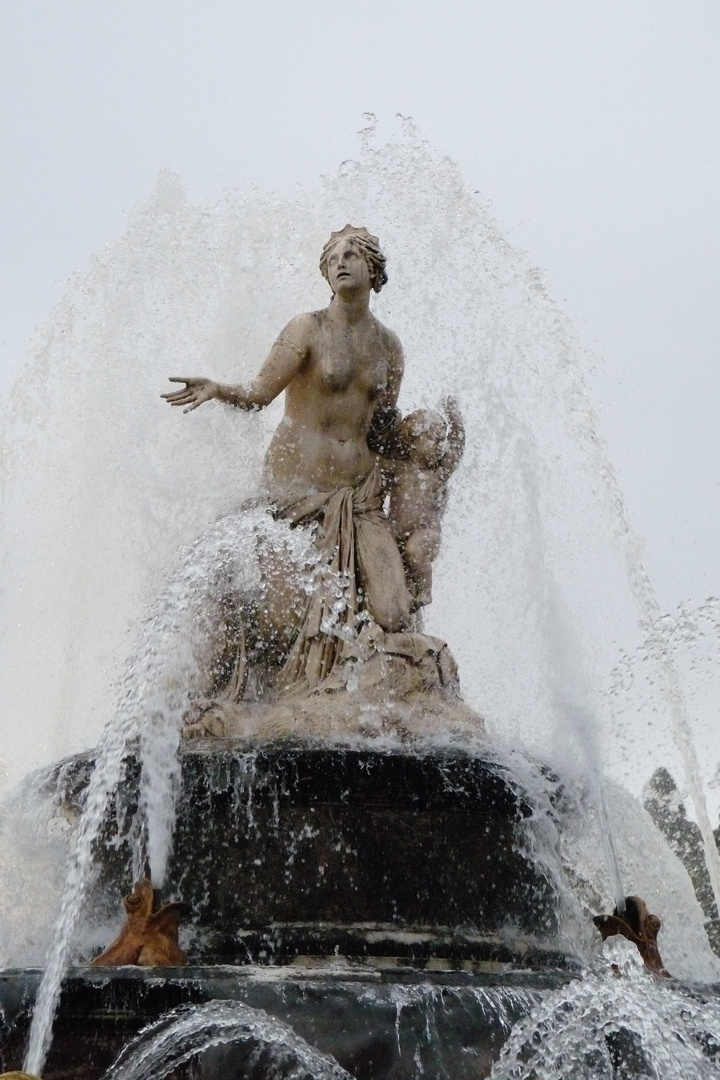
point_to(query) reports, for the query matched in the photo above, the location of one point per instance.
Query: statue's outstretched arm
(285, 359)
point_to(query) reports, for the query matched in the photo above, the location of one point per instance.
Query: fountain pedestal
(365, 896)
(290, 850)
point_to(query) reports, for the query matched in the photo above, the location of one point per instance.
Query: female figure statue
(339, 368)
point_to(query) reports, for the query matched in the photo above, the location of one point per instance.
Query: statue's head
(423, 434)
(367, 245)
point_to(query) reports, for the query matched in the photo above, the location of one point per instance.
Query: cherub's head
(366, 244)
(423, 435)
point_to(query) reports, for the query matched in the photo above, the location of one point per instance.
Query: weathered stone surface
(384, 694)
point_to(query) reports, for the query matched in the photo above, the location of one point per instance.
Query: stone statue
(430, 446)
(340, 448)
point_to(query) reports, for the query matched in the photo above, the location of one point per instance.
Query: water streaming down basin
(610, 1024)
(528, 585)
(416, 1029)
(153, 700)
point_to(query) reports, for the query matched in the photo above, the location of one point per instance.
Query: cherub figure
(426, 449)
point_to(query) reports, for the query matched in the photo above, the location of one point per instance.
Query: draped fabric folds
(359, 568)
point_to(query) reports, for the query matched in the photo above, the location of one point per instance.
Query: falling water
(171, 656)
(177, 651)
(567, 667)
(614, 1023)
(656, 643)
(104, 781)
(190, 1031)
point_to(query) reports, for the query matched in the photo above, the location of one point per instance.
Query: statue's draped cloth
(359, 565)
(355, 587)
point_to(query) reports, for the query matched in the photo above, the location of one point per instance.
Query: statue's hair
(367, 244)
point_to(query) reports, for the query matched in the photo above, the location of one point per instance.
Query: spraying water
(171, 656)
(657, 647)
(104, 781)
(260, 1042)
(568, 677)
(615, 1022)
(206, 288)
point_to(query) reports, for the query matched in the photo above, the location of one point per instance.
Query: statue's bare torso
(336, 367)
(344, 372)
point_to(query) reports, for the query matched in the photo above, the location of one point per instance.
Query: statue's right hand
(195, 391)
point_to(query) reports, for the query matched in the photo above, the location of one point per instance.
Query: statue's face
(347, 270)
(427, 431)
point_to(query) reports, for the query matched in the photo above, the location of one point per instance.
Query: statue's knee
(423, 546)
(392, 614)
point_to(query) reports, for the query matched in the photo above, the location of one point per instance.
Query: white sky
(593, 126)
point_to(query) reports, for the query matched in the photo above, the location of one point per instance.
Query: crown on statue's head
(353, 231)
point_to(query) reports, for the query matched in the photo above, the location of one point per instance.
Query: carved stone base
(406, 685)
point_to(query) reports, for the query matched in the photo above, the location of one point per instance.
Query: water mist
(656, 642)
(577, 716)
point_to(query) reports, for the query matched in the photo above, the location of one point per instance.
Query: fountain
(358, 869)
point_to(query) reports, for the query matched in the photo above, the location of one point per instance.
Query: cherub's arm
(455, 437)
(284, 361)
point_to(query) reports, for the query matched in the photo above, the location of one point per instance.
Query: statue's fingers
(183, 378)
(194, 405)
(180, 397)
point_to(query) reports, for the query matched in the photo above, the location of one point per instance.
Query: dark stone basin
(380, 902)
(292, 850)
(377, 1026)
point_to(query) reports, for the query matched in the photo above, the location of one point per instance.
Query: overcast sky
(592, 126)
